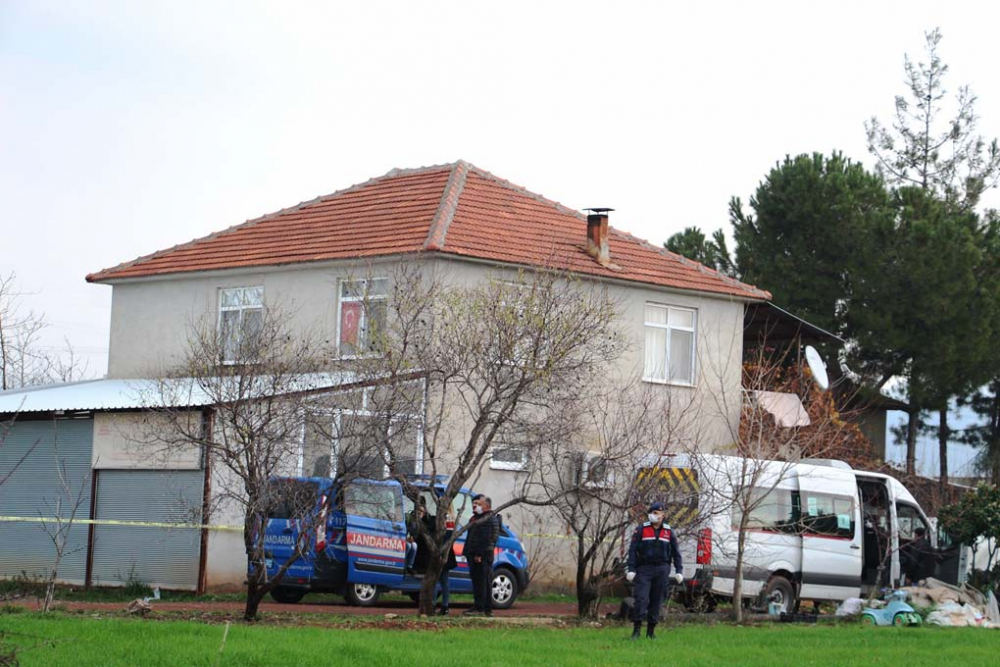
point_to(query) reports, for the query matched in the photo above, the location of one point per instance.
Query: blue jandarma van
(359, 549)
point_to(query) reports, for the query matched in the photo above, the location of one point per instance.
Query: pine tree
(942, 155)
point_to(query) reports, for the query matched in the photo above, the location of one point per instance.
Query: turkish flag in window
(350, 319)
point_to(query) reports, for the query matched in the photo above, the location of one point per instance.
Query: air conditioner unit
(594, 471)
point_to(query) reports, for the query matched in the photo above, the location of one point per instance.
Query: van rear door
(376, 533)
(291, 507)
(831, 533)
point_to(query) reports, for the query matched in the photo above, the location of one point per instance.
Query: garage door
(30, 458)
(153, 555)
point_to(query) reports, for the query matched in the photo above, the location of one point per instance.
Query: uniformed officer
(653, 548)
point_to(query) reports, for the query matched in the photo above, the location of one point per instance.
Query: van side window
(772, 510)
(909, 520)
(462, 504)
(827, 515)
(374, 501)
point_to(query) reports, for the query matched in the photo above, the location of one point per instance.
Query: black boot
(651, 631)
(636, 630)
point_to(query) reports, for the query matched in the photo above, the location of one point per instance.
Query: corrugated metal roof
(103, 395)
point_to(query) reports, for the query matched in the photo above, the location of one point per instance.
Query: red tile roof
(455, 209)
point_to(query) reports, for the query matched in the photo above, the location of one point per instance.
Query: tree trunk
(253, 531)
(428, 588)
(255, 594)
(943, 435)
(50, 588)
(993, 446)
(738, 579)
(911, 440)
(586, 595)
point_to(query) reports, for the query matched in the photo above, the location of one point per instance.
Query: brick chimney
(597, 235)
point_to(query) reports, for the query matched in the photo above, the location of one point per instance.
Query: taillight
(321, 528)
(704, 546)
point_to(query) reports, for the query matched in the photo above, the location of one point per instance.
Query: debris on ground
(138, 607)
(954, 606)
(957, 615)
(932, 592)
(850, 607)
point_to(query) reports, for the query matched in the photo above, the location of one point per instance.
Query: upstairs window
(362, 316)
(669, 344)
(506, 456)
(241, 316)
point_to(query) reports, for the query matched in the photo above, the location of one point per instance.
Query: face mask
(477, 509)
(655, 518)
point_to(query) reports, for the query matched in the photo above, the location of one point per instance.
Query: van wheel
(363, 595)
(504, 588)
(779, 590)
(414, 596)
(286, 595)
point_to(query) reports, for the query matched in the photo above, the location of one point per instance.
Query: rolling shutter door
(155, 556)
(33, 490)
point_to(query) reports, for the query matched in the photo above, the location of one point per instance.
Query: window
(362, 316)
(508, 457)
(241, 315)
(461, 504)
(375, 501)
(909, 520)
(772, 510)
(317, 449)
(670, 334)
(352, 444)
(827, 515)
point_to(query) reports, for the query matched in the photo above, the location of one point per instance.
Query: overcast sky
(129, 127)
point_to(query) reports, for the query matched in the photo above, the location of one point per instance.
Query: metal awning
(787, 409)
(138, 394)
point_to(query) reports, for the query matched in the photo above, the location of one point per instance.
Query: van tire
(363, 595)
(503, 588)
(778, 585)
(288, 595)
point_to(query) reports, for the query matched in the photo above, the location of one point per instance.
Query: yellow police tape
(193, 526)
(111, 522)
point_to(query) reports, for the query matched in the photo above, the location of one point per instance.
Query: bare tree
(504, 364)
(60, 516)
(23, 360)
(260, 379)
(629, 427)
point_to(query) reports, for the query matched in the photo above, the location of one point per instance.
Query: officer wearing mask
(653, 548)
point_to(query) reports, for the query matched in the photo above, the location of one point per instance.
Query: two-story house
(686, 324)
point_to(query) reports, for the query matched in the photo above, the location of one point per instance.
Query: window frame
(512, 466)
(335, 416)
(669, 328)
(788, 499)
(364, 299)
(240, 309)
(807, 521)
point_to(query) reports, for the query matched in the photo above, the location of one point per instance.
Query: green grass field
(63, 639)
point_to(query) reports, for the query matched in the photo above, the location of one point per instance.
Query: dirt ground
(402, 608)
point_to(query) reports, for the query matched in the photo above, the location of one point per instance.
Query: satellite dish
(817, 367)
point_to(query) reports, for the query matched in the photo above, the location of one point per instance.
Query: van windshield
(291, 498)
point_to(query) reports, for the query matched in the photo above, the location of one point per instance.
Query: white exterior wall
(151, 320)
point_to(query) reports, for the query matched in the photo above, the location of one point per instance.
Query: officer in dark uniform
(653, 548)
